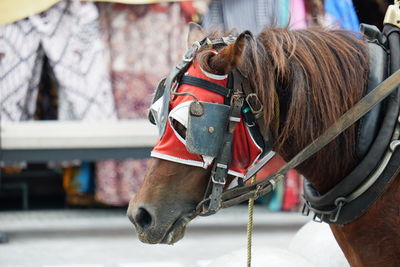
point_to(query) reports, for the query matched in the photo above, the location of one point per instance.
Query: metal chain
(250, 226)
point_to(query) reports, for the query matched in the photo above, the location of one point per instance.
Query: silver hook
(186, 93)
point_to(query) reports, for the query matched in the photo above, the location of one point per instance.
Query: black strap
(210, 86)
(223, 161)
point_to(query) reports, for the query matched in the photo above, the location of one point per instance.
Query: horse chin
(173, 234)
(177, 230)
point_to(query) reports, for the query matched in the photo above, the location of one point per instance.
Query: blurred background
(76, 79)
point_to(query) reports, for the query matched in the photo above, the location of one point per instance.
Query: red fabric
(273, 165)
(292, 190)
(245, 151)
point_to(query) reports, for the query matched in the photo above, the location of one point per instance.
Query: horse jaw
(166, 201)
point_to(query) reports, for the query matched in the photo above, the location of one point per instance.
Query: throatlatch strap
(210, 86)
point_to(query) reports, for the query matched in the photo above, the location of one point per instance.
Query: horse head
(301, 81)
(180, 168)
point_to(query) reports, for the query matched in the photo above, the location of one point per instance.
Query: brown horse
(317, 74)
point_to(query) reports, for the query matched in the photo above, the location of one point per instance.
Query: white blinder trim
(156, 110)
(180, 114)
(214, 76)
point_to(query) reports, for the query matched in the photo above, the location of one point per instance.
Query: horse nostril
(143, 218)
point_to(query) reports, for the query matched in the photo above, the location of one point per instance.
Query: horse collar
(377, 143)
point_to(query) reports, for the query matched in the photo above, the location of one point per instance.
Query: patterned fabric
(242, 15)
(144, 42)
(68, 35)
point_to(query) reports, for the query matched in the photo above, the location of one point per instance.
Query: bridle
(239, 99)
(240, 93)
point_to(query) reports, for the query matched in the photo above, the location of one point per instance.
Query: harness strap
(210, 86)
(256, 107)
(173, 76)
(252, 100)
(222, 162)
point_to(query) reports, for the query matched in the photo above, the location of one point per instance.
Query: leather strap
(253, 101)
(222, 162)
(210, 86)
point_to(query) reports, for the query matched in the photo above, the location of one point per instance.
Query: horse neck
(328, 166)
(374, 238)
(310, 104)
(317, 75)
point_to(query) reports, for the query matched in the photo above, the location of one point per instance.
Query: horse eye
(179, 128)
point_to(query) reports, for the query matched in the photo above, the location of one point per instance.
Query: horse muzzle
(155, 227)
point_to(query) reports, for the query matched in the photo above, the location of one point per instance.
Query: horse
(305, 79)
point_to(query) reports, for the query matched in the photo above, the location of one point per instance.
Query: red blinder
(171, 145)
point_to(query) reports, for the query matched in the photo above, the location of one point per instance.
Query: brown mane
(317, 74)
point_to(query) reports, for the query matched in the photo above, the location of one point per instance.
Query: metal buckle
(394, 144)
(339, 202)
(217, 182)
(305, 211)
(209, 43)
(229, 39)
(318, 219)
(189, 55)
(256, 111)
(257, 192)
(237, 97)
(319, 215)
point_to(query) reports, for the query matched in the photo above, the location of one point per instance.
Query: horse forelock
(318, 74)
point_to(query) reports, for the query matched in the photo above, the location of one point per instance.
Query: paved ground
(104, 238)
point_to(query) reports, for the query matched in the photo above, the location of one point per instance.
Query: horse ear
(231, 56)
(196, 33)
